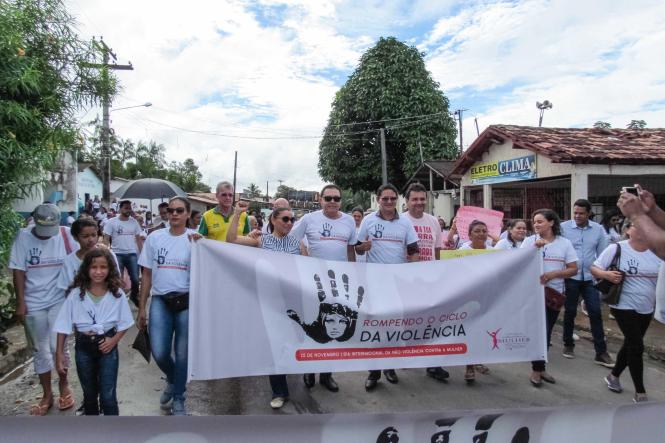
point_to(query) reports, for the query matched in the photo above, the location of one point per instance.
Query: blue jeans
(575, 288)
(168, 335)
(98, 374)
(130, 262)
(279, 386)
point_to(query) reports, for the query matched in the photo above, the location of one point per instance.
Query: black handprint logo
(378, 231)
(119, 230)
(327, 227)
(632, 266)
(335, 321)
(161, 256)
(35, 253)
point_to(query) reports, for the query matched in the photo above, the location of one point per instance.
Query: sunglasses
(388, 199)
(330, 198)
(176, 210)
(287, 219)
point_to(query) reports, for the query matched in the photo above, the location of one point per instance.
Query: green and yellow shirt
(214, 225)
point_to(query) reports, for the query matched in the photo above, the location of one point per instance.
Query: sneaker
(639, 398)
(613, 384)
(604, 359)
(166, 397)
(178, 407)
(569, 351)
(277, 402)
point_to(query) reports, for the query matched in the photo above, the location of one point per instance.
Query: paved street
(579, 381)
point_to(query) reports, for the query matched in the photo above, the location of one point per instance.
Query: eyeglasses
(330, 198)
(287, 219)
(176, 210)
(226, 195)
(388, 199)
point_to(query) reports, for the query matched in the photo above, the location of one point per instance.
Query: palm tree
(253, 191)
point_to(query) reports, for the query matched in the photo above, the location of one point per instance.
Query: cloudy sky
(259, 77)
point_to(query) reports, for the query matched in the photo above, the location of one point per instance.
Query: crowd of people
(69, 280)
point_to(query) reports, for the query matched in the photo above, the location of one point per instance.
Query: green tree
(352, 200)
(637, 124)
(390, 85)
(253, 190)
(45, 78)
(283, 191)
(187, 176)
(602, 125)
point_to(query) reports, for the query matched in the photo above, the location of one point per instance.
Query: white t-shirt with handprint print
(326, 238)
(389, 238)
(41, 260)
(639, 287)
(123, 235)
(169, 258)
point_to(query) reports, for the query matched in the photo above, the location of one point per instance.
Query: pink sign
(467, 214)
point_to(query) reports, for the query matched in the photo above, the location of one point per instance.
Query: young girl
(98, 311)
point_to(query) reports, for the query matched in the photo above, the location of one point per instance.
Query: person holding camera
(638, 268)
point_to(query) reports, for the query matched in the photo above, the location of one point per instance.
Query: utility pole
(267, 194)
(458, 113)
(235, 168)
(475, 119)
(384, 165)
(107, 54)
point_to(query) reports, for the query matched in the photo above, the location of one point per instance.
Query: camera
(631, 190)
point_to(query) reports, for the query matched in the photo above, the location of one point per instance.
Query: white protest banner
(466, 214)
(569, 424)
(255, 312)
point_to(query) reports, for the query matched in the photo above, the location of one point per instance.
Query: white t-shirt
(488, 243)
(169, 258)
(467, 246)
(389, 238)
(613, 235)
(70, 267)
(504, 243)
(87, 316)
(123, 235)
(42, 261)
(326, 238)
(428, 230)
(556, 255)
(114, 206)
(70, 220)
(639, 287)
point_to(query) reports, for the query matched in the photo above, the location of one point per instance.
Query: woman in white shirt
(559, 263)
(166, 260)
(516, 233)
(277, 239)
(98, 312)
(639, 269)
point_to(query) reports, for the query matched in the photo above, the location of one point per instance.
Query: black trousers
(550, 319)
(633, 326)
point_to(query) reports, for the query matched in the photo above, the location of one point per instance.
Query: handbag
(142, 343)
(554, 299)
(611, 292)
(176, 301)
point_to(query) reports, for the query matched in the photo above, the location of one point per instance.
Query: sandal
(40, 409)
(66, 402)
(482, 369)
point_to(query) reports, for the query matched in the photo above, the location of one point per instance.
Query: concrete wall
(88, 183)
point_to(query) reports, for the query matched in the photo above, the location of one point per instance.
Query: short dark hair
(549, 215)
(511, 224)
(414, 187)
(583, 203)
(358, 209)
(162, 205)
(81, 223)
(475, 223)
(330, 186)
(388, 186)
(125, 202)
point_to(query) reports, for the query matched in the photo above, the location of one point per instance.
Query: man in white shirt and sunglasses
(331, 235)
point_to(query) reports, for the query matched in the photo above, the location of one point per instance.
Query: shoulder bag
(611, 292)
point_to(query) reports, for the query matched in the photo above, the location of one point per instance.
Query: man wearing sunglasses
(123, 234)
(387, 237)
(331, 235)
(215, 222)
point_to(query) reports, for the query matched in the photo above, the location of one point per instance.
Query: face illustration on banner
(335, 320)
(388, 435)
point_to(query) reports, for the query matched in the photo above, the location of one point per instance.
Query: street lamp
(106, 147)
(542, 106)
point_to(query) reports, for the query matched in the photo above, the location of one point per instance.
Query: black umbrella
(149, 189)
